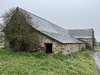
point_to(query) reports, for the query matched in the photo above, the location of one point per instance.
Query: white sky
(69, 14)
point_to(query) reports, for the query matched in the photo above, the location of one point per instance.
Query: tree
(18, 31)
(93, 38)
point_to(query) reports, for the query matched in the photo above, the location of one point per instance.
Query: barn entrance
(48, 47)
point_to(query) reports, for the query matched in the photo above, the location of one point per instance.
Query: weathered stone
(6, 44)
(58, 47)
(89, 42)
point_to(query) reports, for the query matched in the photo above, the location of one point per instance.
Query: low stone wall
(58, 47)
(89, 43)
(69, 48)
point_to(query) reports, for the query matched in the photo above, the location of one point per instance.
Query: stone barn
(52, 38)
(85, 35)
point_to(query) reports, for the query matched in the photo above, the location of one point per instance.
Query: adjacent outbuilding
(85, 35)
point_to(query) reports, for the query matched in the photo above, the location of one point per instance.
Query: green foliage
(19, 32)
(1, 43)
(26, 63)
(97, 49)
(93, 39)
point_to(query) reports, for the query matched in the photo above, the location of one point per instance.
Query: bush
(19, 32)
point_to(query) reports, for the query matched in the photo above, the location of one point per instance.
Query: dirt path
(96, 57)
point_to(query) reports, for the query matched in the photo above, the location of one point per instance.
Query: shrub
(19, 33)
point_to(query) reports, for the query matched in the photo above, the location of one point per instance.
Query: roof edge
(81, 29)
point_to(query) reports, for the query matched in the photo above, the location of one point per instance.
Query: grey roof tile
(51, 29)
(81, 33)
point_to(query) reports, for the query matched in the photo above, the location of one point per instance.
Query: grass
(25, 63)
(97, 48)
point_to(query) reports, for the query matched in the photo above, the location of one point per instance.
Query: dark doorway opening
(48, 47)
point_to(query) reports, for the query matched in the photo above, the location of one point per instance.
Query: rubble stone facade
(58, 47)
(89, 42)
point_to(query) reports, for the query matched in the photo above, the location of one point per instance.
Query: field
(28, 63)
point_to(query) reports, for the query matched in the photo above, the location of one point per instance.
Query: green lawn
(97, 49)
(25, 63)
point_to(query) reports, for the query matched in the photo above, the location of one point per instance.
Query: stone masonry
(58, 47)
(89, 43)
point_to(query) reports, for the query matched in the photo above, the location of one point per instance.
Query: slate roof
(81, 33)
(53, 31)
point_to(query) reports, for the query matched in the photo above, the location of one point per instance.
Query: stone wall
(58, 47)
(89, 43)
(6, 44)
(69, 48)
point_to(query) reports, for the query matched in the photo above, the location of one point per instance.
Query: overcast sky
(69, 14)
